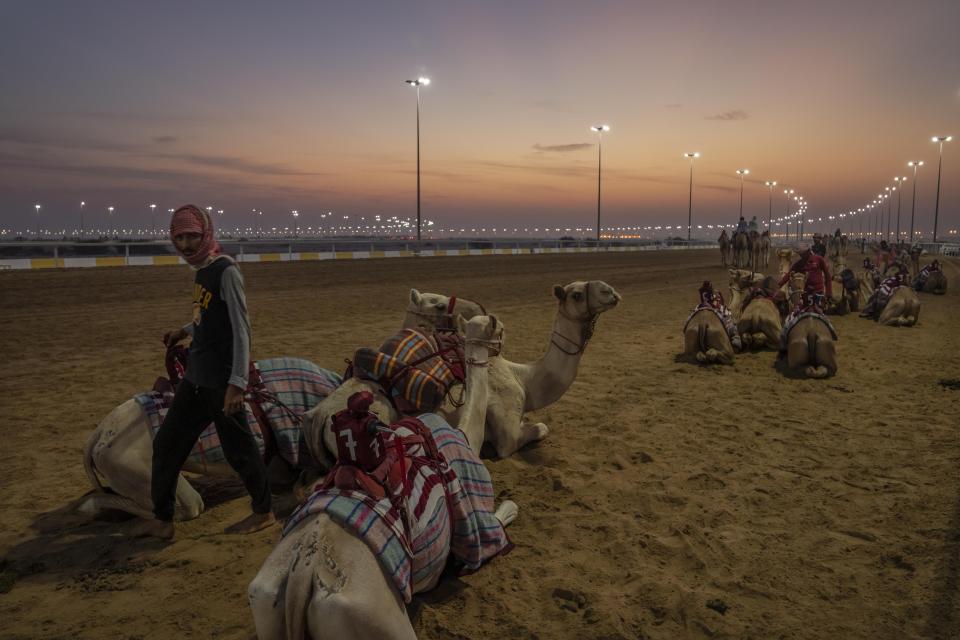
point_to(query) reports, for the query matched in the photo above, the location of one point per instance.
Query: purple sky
(301, 105)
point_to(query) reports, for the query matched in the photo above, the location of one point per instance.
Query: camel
(118, 454)
(869, 281)
(811, 347)
(724, 242)
(837, 250)
(936, 283)
(902, 309)
(432, 311)
(321, 581)
(764, 250)
(741, 249)
(705, 339)
(741, 281)
(519, 387)
(760, 324)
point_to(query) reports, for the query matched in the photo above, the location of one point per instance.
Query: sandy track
(809, 509)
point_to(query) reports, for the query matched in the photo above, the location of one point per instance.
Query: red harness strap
(254, 392)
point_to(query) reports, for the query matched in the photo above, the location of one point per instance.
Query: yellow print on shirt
(201, 301)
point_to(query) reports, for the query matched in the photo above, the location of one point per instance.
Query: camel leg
(507, 512)
(324, 581)
(718, 351)
(505, 428)
(826, 351)
(798, 354)
(121, 452)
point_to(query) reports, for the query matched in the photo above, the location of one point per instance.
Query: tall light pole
(110, 218)
(899, 180)
(37, 207)
(691, 155)
(153, 219)
(936, 211)
(599, 128)
(889, 205)
(296, 227)
(786, 217)
(913, 207)
(770, 185)
(82, 203)
(419, 82)
(741, 173)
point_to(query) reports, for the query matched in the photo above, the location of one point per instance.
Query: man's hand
(171, 338)
(233, 400)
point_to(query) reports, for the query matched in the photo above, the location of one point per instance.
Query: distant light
(915, 163)
(600, 127)
(692, 154)
(743, 172)
(941, 138)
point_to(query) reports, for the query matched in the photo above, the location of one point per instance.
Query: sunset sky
(302, 105)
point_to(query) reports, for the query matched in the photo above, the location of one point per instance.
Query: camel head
(317, 422)
(482, 330)
(430, 310)
(743, 278)
(584, 301)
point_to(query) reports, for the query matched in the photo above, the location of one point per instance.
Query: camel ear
(493, 321)
(461, 324)
(415, 297)
(559, 292)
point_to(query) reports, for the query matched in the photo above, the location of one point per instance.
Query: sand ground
(669, 500)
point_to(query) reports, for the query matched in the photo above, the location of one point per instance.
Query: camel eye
(577, 296)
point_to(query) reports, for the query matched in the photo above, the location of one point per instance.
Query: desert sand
(670, 500)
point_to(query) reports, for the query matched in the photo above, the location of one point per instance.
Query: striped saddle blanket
(450, 514)
(296, 383)
(722, 314)
(411, 366)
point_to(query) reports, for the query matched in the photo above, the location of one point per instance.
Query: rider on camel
(753, 224)
(741, 225)
(882, 294)
(710, 299)
(818, 272)
(921, 278)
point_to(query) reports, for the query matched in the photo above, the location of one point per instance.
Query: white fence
(57, 260)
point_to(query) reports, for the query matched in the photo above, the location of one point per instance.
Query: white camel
(517, 387)
(118, 454)
(432, 311)
(323, 582)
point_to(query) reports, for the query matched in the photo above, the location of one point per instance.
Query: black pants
(192, 409)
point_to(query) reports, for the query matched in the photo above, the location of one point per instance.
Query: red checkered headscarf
(192, 219)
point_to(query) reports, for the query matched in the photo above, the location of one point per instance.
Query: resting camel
(812, 348)
(936, 283)
(432, 311)
(518, 387)
(741, 281)
(322, 581)
(837, 253)
(705, 339)
(724, 242)
(118, 454)
(902, 309)
(869, 281)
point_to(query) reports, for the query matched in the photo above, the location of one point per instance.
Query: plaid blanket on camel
(474, 537)
(299, 384)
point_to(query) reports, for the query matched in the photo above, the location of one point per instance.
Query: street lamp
(913, 207)
(691, 155)
(82, 203)
(599, 128)
(37, 207)
(936, 211)
(419, 82)
(770, 185)
(889, 204)
(786, 217)
(296, 228)
(110, 218)
(153, 219)
(899, 180)
(741, 173)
